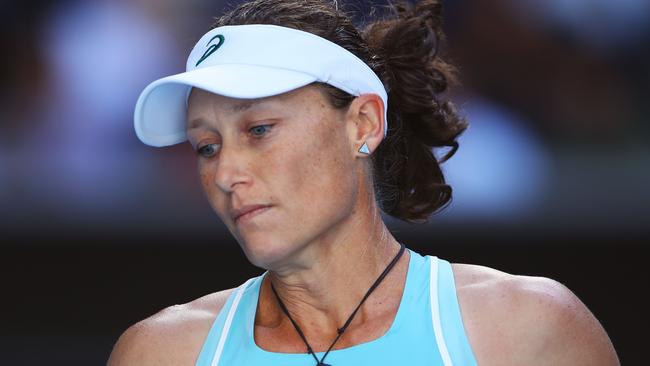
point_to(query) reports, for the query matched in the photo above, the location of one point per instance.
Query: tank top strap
(216, 339)
(446, 316)
(448, 330)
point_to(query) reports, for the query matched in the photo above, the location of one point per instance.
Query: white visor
(249, 61)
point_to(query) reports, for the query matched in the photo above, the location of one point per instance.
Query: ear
(365, 121)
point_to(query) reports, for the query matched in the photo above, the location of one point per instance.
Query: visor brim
(161, 110)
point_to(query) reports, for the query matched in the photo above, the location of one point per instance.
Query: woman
(305, 129)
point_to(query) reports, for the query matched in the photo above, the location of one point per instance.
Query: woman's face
(289, 152)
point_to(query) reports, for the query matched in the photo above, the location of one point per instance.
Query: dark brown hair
(402, 49)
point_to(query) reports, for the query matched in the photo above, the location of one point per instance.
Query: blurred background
(98, 231)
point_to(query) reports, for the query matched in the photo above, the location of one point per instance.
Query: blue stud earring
(364, 149)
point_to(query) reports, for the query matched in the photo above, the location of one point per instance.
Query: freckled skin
(301, 166)
(324, 243)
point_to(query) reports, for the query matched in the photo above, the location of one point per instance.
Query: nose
(232, 168)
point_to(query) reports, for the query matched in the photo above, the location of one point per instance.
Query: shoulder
(515, 320)
(173, 336)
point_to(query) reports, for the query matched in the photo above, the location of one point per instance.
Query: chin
(265, 252)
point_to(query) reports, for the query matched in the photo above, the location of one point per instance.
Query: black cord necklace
(345, 326)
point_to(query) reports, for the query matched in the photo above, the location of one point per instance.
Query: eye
(259, 130)
(208, 150)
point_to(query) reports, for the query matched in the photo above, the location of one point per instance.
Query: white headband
(249, 61)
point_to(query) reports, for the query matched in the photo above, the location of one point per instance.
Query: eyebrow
(195, 123)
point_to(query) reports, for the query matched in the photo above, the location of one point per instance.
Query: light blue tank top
(427, 329)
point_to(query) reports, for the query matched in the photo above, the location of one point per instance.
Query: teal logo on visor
(212, 48)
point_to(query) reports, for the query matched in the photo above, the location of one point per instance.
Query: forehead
(201, 102)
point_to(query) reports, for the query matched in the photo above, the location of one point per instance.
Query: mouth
(249, 214)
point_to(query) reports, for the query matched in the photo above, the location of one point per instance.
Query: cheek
(205, 175)
(319, 173)
(205, 178)
(212, 193)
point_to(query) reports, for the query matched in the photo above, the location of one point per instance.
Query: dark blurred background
(99, 231)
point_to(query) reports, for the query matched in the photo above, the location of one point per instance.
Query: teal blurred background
(99, 230)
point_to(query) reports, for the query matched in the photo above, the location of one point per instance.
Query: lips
(243, 210)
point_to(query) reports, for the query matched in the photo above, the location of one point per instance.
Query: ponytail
(409, 182)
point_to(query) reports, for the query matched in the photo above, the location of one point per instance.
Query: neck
(331, 278)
